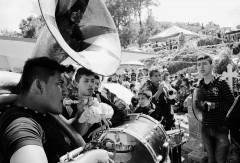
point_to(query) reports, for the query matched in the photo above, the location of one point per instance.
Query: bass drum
(141, 139)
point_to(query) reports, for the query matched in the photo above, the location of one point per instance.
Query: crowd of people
(48, 87)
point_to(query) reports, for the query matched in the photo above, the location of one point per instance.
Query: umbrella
(121, 92)
(171, 32)
(131, 64)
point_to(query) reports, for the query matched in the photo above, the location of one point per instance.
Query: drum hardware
(155, 127)
(117, 137)
(159, 158)
(176, 137)
(133, 147)
(106, 144)
(138, 116)
(166, 144)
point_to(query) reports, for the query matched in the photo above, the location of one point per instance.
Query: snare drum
(176, 137)
(141, 139)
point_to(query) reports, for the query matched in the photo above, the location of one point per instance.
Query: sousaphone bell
(81, 32)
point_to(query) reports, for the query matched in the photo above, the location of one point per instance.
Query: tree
(149, 28)
(121, 11)
(238, 26)
(128, 34)
(139, 5)
(9, 33)
(32, 26)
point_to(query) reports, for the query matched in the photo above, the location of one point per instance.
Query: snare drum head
(139, 140)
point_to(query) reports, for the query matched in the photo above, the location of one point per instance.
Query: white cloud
(13, 11)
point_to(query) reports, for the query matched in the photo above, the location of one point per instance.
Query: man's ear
(37, 87)
(150, 98)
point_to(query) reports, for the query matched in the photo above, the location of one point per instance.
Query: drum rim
(140, 138)
(152, 119)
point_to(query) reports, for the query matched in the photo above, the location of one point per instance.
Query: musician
(118, 116)
(87, 106)
(217, 102)
(160, 98)
(145, 105)
(27, 132)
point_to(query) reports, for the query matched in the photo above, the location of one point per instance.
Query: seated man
(28, 133)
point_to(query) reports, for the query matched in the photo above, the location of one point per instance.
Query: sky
(225, 13)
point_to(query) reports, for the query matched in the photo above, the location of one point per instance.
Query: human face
(145, 72)
(204, 67)
(184, 83)
(53, 94)
(156, 77)
(96, 84)
(143, 101)
(86, 85)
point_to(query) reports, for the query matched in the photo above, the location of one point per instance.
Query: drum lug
(147, 138)
(117, 137)
(138, 116)
(166, 144)
(159, 158)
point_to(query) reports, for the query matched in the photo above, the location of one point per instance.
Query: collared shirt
(217, 91)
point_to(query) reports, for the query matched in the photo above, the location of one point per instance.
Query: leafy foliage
(220, 65)
(209, 41)
(31, 27)
(238, 26)
(128, 35)
(9, 33)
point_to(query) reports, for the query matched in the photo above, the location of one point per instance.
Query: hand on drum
(95, 156)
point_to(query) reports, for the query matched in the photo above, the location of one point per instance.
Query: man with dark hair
(159, 98)
(118, 116)
(27, 132)
(218, 100)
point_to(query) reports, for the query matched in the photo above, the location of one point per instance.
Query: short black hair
(132, 85)
(70, 68)
(153, 71)
(38, 68)
(96, 77)
(203, 57)
(83, 71)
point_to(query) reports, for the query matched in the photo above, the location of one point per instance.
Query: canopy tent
(171, 32)
(131, 64)
(14, 52)
(127, 56)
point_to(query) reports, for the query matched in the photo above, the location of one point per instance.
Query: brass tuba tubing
(68, 129)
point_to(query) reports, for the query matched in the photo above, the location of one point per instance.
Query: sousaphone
(81, 32)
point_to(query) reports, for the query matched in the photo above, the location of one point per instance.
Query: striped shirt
(217, 91)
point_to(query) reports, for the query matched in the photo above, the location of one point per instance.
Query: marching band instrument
(170, 93)
(82, 30)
